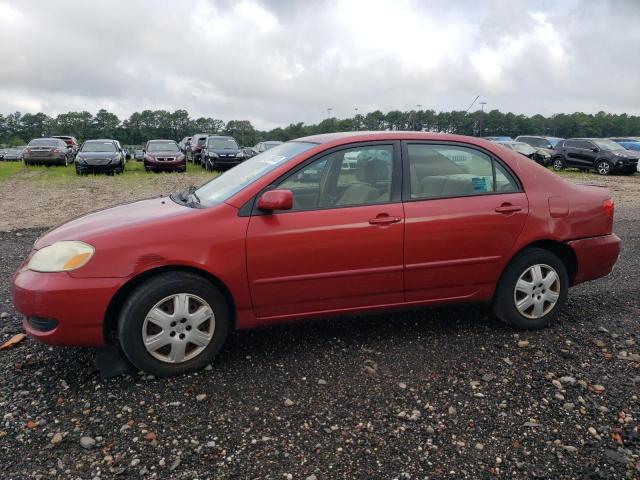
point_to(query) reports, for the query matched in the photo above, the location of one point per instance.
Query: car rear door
(464, 211)
(341, 246)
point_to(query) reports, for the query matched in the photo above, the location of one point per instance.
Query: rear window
(45, 142)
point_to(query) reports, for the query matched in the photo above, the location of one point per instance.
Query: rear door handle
(508, 208)
(384, 219)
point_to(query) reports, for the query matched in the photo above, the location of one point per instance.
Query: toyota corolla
(421, 220)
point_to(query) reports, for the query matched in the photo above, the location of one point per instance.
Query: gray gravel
(448, 393)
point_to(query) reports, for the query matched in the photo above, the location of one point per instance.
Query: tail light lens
(608, 207)
(55, 150)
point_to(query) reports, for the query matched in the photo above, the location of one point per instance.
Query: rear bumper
(69, 311)
(596, 256)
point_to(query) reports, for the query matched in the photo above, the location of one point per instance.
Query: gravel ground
(448, 393)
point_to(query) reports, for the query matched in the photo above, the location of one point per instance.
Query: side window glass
(448, 171)
(504, 180)
(356, 176)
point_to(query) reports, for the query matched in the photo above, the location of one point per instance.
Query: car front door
(464, 211)
(341, 245)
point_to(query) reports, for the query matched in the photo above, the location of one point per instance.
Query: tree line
(17, 128)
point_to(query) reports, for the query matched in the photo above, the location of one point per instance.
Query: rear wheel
(558, 164)
(532, 290)
(174, 323)
(603, 167)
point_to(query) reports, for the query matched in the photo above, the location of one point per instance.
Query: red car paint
(280, 267)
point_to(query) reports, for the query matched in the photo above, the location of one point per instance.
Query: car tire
(557, 163)
(149, 319)
(603, 167)
(531, 290)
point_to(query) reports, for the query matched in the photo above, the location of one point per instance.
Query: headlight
(212, 154)
(240, 154)
(61, 257)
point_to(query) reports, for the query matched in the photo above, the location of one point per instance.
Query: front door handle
(384, 219)
(508, 208)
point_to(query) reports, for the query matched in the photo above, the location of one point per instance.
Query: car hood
(90, 155)
(628, 154)
(224, 151)
(116, 219)
(168, 153)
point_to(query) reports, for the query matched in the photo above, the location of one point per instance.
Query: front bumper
(224, 162)
(625, 165)
(596, 256)
(76, 307)
(98, 167)
(179, 165)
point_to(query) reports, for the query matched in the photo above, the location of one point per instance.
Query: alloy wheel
(178, 328)
(537, 291)
(604, 168)
(557, 164)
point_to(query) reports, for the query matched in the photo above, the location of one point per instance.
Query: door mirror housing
(595, 149)
(276, 200)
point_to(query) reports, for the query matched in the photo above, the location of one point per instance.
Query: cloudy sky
(279, 61)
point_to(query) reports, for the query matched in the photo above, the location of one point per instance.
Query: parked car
(13, 153)
(264, 146)
(221, 152)
(539, 155)
(164, 155)
(195, 147)
(51, 151)
(499, 139)
(548, 144)
(102, 155)
(70, 141)
(628, 143)
(599, 154)
(264, 248)
(138, 154)
(184, 143)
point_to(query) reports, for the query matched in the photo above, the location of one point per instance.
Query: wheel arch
(560, 249)
(113, 309)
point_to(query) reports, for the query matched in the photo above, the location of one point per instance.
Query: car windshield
(232, 181)
(608, 145)
(44, 142)
(222, 143)
(162, 147)
(99, 147)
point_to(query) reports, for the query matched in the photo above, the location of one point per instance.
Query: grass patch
(134, 172)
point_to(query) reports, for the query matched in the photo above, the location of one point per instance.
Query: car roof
(100, 140)
(339, 138)
(160, 140)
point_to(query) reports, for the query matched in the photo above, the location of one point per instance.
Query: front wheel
(558, 164)
(532, 290)
(174, 323)
(603, 167)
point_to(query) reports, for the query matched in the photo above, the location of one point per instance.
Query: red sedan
(329, 224)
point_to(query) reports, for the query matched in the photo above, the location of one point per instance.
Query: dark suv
(195, 147)
(602, 155)
(221, 152)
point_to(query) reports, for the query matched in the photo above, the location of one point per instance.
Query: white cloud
(276, 62)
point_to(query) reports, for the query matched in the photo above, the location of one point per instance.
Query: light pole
(357, 120)
(329, 112)
(482, 104)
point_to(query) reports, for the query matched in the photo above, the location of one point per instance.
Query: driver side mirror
(595, 149)
(276, 200)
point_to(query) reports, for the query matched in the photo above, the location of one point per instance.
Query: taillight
(55, 150)
(608, 207)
